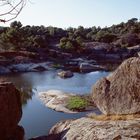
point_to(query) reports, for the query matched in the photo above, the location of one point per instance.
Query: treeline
(31, 38)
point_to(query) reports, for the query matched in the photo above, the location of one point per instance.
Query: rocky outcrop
(119, 93)
(29, 67)
(24, 67)
(56, 100)
(128, 40)
(87, 67)
(65, 74)
(104, 52)
(90, 129)
(10, 112)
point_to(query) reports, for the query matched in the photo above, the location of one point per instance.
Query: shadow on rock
(10, 112)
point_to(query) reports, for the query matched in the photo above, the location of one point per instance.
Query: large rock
(10, 112)
(90, 129)
(65, 74)
(119, 93)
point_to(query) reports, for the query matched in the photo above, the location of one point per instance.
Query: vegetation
(33, 38)
(68, 44)
(77, 103)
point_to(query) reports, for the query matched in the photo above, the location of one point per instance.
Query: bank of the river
(94, 57)
(74, 65)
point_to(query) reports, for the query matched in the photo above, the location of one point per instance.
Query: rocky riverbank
(58, 100)
(95, 56)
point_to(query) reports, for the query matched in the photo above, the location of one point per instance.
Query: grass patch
(113, 117)
(77, 103)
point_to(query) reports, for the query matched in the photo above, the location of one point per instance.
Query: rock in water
(65, 74)
(10, 112)
(57, 100)
(119, 93)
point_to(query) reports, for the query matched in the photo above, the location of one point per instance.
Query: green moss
(77, 103)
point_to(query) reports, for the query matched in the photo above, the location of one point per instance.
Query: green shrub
(77, 103)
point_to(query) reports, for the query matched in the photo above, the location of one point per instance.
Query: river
(37, 119)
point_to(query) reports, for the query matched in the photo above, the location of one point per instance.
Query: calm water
(38, 119)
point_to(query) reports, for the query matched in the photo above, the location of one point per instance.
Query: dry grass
(113, 117)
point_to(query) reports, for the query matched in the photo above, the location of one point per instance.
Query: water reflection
(26, 94)
(23, 84)
(31, 83)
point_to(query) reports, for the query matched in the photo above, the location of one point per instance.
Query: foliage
(77, 103)
(71, 44)
(16, 24)
(18, 37)
(106, 37)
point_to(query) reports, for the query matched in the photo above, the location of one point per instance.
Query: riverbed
(37, 119)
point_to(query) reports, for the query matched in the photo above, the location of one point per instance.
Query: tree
(63, 42)
(16, 24)
(10, 9)
(103, 36)
(79, 40)
(132, 20)
(69, 45)
(13, 37)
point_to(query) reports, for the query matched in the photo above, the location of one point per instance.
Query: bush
(77, 103)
